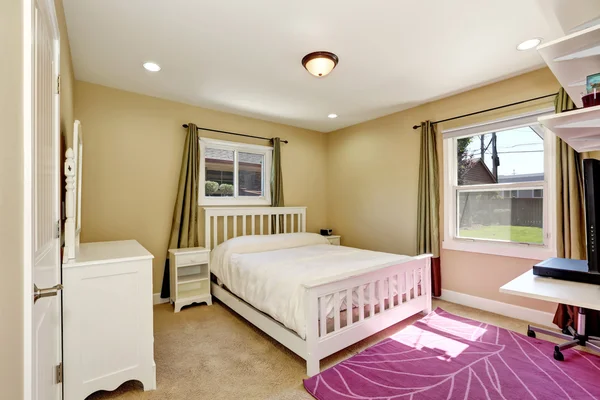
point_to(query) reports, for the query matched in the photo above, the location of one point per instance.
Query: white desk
(555, 290)
(582, 295)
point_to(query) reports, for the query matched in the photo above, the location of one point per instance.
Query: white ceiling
(244, 56)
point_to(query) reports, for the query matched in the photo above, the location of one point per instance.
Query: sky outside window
(520, 150)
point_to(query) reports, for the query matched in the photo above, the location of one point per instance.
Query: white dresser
(107, 313)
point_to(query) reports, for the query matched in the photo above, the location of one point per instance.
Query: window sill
(233, 202)
(504, 249)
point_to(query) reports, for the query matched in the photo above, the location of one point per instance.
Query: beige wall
(66, 76)
(133, 150)
(11, 201)
(362, 180)
(373, 180)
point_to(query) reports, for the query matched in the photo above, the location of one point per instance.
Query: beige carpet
(211, 353)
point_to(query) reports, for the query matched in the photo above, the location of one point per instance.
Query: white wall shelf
(579, 128)
(572, 58)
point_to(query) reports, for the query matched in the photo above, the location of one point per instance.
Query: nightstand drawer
(191, 259)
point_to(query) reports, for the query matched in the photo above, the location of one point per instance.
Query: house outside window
(499, 188)
(234, 173)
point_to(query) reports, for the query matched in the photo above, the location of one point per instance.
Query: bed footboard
(362, 305)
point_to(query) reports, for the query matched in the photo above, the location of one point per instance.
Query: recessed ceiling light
(320, 63)
(529, 44)
(152, 67)
(332, 116)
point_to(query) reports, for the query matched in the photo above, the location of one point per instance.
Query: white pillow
(221, 254)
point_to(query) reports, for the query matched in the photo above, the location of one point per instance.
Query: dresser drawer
(192, 259)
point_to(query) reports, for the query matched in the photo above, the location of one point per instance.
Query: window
(499, 185)
(234, 173)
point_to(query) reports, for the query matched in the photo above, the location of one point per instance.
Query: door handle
(46, 292)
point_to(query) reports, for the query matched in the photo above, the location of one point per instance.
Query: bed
(312, 297)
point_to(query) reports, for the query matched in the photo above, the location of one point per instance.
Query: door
(42, 185)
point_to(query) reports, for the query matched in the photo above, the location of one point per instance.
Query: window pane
(250, 173)
(219, 172)
(514, 215)
(518, 155)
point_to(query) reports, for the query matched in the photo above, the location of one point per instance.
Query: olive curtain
(184, 227)
(276, 181)
(570, 221)
(428, 231)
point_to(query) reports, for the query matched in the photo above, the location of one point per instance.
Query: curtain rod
(232, 133)
(489, 109)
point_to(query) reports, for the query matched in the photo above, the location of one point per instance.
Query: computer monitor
(591, 174)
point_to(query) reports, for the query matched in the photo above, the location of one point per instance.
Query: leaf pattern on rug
(444, 356)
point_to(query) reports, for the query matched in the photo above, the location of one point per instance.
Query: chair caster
(558, 356)
(530, 333)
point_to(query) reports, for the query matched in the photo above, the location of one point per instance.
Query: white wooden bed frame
(320, 342)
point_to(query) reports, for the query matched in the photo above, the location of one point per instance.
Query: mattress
(269, 272)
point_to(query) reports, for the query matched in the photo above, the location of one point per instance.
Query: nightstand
(190, 276)
(334, 239)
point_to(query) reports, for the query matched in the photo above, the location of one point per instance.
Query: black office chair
(574, 338)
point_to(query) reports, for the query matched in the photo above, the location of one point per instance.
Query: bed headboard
(222, 223)
(73, 174)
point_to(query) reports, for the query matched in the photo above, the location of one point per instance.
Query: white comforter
(269, 272)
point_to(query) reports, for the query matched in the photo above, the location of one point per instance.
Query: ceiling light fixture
(332, 116)
(529, 44)
(320, 63)
(151, 66)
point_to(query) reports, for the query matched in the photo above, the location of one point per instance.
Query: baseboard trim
(508, 310)
(158, 300)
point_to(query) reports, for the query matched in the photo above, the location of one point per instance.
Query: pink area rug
(444, 356)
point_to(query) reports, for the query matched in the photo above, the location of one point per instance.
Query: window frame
(236, 147)
(490, 246)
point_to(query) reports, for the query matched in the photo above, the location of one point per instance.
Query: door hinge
(58, 84)
(58, 229)
(59, 373)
